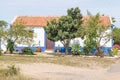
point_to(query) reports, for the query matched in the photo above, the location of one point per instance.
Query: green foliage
(114, 51)
(86, 50)
(90, 43)
(21, 35)
(11, 73)
(100, 53)
(95, 32)
(10, 45)
(51, 30)
(116, 36)
(76, 49)
(0, 52)
(64, 29)
(3, 23)
(12, 70)
(113, 20)
(27, 51)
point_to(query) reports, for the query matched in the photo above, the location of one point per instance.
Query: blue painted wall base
(19, 48)
(105, 49)
(62, 49)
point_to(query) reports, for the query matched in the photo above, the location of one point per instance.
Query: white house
(36, 23)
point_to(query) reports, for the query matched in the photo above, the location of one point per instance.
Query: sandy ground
(48, 71)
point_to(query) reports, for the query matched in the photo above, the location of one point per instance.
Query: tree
(3, 24)
(89, 45)
(20, 34)
(116, 35)
(113, 20)
(97, 32)
(10, 46)
(64, 29)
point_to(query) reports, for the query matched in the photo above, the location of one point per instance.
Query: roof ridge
(38, 16)
(42, 20)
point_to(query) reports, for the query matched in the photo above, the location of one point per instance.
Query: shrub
(114, 51)
(86, 50)
(12, 70)
(116, 46)
(10, 45)
(90, 44)
(12, 73)
(27, 51)
(0, 52)
(15, 77)
(100, 53)
(76, 49)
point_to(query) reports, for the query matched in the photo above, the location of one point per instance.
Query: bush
(0, 52)
(76, 49)
(12, 70)
(116, 46)
(114, 51)
(90, 44)
(86, 50)
(100, 53)
(10, 45)
(12, 73)
(27, 51)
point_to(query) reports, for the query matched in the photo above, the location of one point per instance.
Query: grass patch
(15, 77)
(84, 62)
(11, 73)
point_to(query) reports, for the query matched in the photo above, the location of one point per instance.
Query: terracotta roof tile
(36, 21)
(104, 20)
(33, 21)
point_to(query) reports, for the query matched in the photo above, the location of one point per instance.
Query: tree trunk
(99, 52)
(66, 50)
(66, 45)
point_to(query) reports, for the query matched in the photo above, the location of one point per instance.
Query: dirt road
(48, 71)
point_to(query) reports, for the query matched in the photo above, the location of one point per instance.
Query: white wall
(81, 41)
(104, 40)
(73, 41)
(38, 39)
(39, 36)
(3, 46)
(58, 43)
(78, 41)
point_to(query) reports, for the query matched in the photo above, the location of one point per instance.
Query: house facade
(37, 24)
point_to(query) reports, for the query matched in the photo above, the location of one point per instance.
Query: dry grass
(76, 61)
(15, 77)
(83, 62)
(9, 73)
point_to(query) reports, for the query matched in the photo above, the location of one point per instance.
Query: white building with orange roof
(37, 23)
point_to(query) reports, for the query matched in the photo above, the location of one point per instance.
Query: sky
(11, 8)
